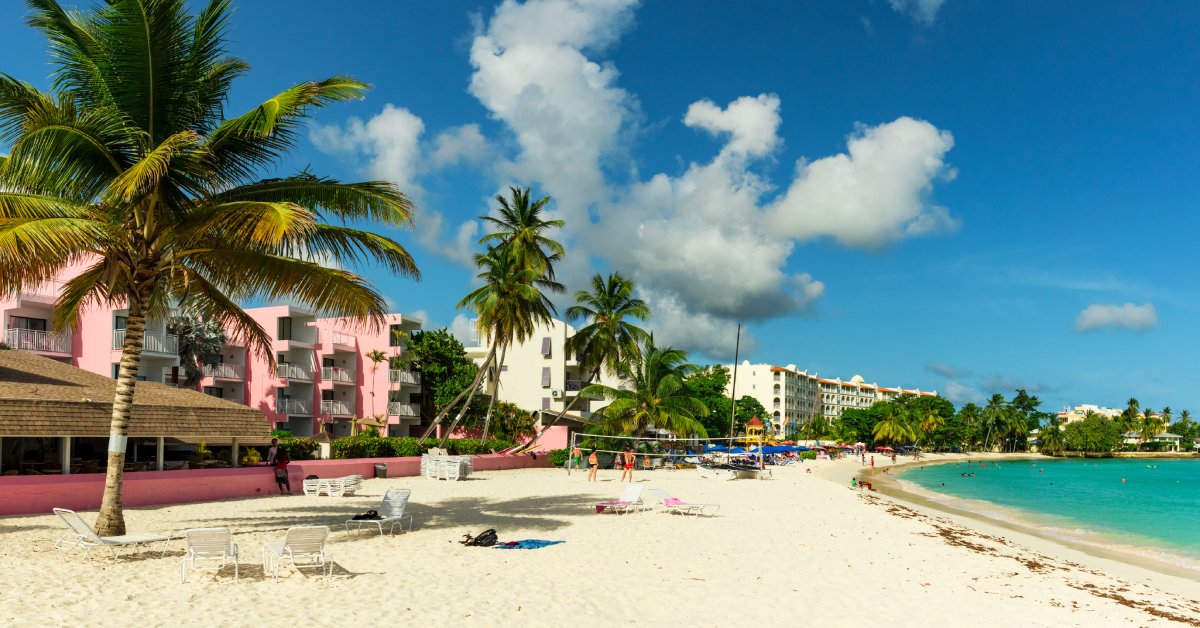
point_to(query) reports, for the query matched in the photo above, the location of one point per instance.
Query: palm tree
(509, 306)
(894, 427)
(519, 232)
(994, 416)
(970, 415)
(931, 421)
(1051, 439)
(1152, 425)
(130, 167)
(376, 357)
(1128, 420)
(609, 339)
(655, 395)
(1166, 414)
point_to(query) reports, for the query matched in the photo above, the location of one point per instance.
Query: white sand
(797, 549)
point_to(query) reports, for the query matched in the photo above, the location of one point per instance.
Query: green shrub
(808, 455)
(280, 434)
(368, 445)
(558, 457)
(299, 448)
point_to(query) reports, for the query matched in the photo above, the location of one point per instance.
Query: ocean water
(1117, 503)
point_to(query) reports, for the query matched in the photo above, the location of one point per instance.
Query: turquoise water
(1153, 510)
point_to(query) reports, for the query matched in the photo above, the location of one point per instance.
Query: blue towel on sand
(527, 544)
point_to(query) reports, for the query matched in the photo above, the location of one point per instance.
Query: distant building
(793, 397)
(1072, 415)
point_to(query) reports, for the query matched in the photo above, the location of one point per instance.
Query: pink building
(323, 379)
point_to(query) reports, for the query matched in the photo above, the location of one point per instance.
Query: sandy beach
(797, 549)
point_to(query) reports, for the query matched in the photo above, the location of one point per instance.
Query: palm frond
(377, 201)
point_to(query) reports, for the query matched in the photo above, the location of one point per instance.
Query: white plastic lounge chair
(303, 547)
(678, 506)
(351, 483)
(391, 512)
(630, 501)
(312, 487)
(208, 549)
(80, 534)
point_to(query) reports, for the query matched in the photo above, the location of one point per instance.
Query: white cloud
(873, 194)
(751, 123)
(463, 328)
(420, 316)
(388, 143)
(959, 394)
(1127, 316)
(921, 11)
(676, 325)
(460, 248)
(462, 144)
(945, 370)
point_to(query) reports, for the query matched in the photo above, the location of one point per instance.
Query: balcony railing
(338, 338)
(335, 408)
(293, 406)
(294, 371)
(337, 374)
(152, 342)
(398, 376)
(32, 340)
(223, 371)
(575, 385)
(397, 408)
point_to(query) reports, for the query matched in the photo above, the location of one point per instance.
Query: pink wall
(38, 494)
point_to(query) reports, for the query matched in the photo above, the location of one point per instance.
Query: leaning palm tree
(655, 395)
(894, 427)
(995, 416)
(609, 339)
(130, 169)
(930, 421)
(520, 232)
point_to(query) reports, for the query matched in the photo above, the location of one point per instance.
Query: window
(545, 377)
(546, 346)
(31, 324)
(119, 322)
(116, 369)
(281, 358)
(396, 336)
(326, 395)
(285, 328)
(215, 391)
(545, 403)
(281, 393)
(328, 362)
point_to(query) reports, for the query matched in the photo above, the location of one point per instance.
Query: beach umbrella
(847, 447)
(801, 448)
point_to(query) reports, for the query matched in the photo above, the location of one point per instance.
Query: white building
(793, 397)
(1072, 415)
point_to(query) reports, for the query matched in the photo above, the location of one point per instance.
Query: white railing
(223, 371)
(336, 408)
(338, 338)
(398, 408)
(293, 406)
(398, 376)
(294, 371)
(152, 342)
(32, 340)
(337, 374)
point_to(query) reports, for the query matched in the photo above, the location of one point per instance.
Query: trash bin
(380, 470)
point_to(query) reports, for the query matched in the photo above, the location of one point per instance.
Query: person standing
(273, 451)
(628, 459)
(281, 472)
(577, 457)
(872, 462)
(593, 466)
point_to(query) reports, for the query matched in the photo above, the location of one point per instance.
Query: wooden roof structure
(44, 397)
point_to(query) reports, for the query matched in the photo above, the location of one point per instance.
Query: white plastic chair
(208, 549)
(677, 506)
(630, 501)
(302, 547)
(80, 534)
(391, 512)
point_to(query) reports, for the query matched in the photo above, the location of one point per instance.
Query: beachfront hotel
(322, 382)
(793, 397)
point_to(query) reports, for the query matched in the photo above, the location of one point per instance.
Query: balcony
(294, 371)
(293, 407)
(38, 341)
(339, 341)
(152, 342)
(330, 407)
(224, 371)
(337, 375)
(398, 376)
(575, 385)
(398, 408)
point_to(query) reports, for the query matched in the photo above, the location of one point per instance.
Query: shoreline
(1128, 564)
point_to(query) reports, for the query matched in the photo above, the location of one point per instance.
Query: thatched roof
(44, 397)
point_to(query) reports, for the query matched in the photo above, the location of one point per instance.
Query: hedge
(371, 446)
(558, 457)
(299, 448)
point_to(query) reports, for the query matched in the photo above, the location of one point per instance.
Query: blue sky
(954, 195)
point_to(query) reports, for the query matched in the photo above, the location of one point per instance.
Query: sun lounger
(391, 513)
(333, 487)
(630, 501)
(80, 534)
(208, 549)
(678, 506)
(302, 547)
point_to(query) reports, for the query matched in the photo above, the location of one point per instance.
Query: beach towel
(602, 505)
(528, 544)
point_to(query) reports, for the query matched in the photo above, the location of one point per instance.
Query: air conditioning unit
(556, 393)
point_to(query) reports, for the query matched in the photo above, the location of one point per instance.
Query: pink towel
(602, 505)
(672, 501)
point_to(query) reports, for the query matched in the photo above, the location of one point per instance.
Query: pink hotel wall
(38, 494)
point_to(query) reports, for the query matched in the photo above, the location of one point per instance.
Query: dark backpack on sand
(487, 538)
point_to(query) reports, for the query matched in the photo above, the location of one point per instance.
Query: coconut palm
(970, 416)
(894, 426)
(995, 417)
(376, 357)
(1051, 439)
(130, 169)
(930, 421)
(655, 395)
(520, 232)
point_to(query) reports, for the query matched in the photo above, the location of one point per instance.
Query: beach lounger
(302, 547)
(208, 549)
(678, 506)
(391, 511)
(630, 501)
(80, 534)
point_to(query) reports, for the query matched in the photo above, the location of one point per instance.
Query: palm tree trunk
(487, 421)
(595, 376)
(470, 395)
(111, 521)
(450, 406)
